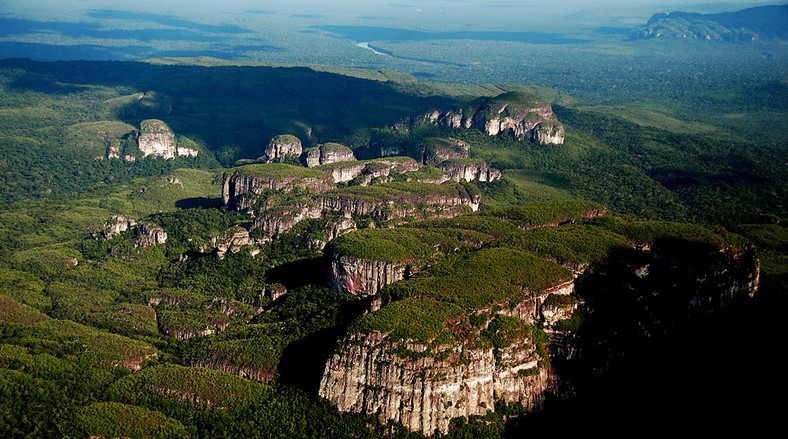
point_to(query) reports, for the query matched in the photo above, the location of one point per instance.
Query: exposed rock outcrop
(240, 184)
(469, 170)
(327, 153)
(387, 202)
(343, 172)
(425, 394)
(363, 277)
(156, 139)
(150, 234)
(282, 147)
(518, 113)
(243, 370)
(424, 383)
(232, 240)
(117, 225)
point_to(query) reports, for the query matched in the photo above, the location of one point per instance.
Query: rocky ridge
(422, 360)
(523, 115)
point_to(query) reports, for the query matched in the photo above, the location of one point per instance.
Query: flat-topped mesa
(386, 202)
(156, 139)
(327, 153)
(242, 183)
(391, 201)
(485, 327)
(469, 170)
(282, 147)
(367, 170)
(365, 261)
(444, 351)
(524, 115)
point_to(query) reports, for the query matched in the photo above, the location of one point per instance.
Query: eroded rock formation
(425, 384)
(155, 138)
(523, 115)
(328, 153)
(282, 147)
(469, 170)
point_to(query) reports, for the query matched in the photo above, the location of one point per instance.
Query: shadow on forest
(233, 110)
(204, 202)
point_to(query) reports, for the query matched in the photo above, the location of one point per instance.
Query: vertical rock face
(232, 240)
(150, 234)
(363, 277)
(425, 386)
(156, 139)
(117, 225)
(187, 152)
(549, 132)
(628, 298)
(469, 170)
(326, 154)
(344, 171)
(256, 179)
(282, 147)
(425, 394)
(518, 113)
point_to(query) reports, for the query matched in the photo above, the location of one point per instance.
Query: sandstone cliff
(522, 115)
(243, 183)
(468, 333)
(386, 202)
(282, 147)
(423, 362)
(327, 153)
(437, 150)
(469, 170)
(155, 138)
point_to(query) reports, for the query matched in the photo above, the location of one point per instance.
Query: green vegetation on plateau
(79, 312)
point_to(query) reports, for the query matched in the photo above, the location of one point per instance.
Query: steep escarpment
(364, 262)
(282, 147)
(156, 139)
(243, 183)
(448, 350)
(327, 153)
(383, 203)
(522, 115)
(500, 324)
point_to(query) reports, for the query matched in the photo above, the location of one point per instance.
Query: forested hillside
(308, 216)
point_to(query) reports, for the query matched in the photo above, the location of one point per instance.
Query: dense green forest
(93, 326)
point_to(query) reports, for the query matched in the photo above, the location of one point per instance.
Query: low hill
(752, 24)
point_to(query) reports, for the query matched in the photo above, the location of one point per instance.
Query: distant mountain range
(764, 23)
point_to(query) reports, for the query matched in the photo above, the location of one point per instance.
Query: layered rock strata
(469, 170)
(282, 147)
(256, 179)
(425, 383)
(387, 202)
(327, 153)
(156, 139)
(525, 116)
